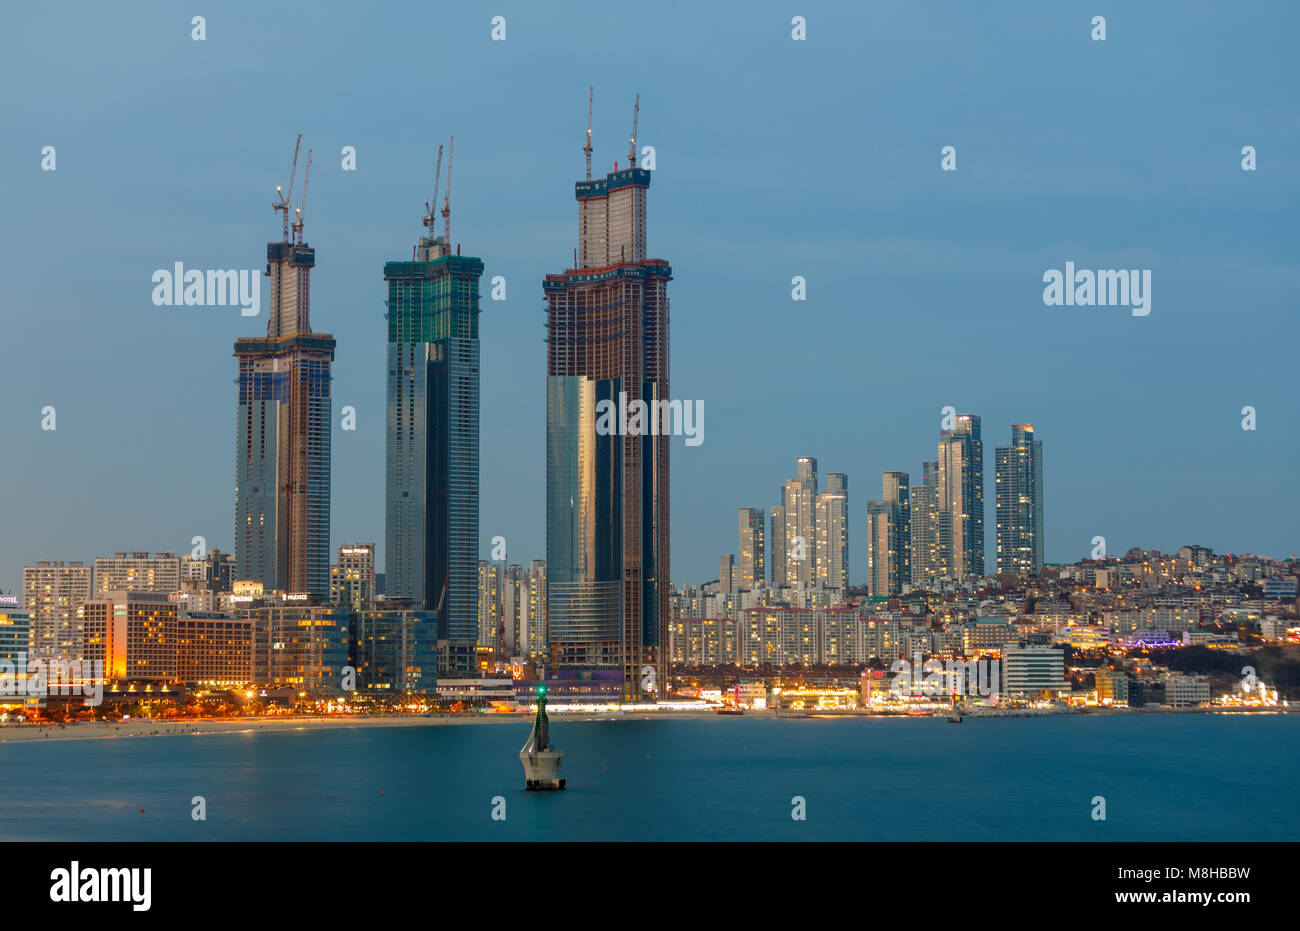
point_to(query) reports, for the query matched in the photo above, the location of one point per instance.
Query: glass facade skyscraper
(925, 526)
(432, 442)
(752, 548)
(608, 590)
(1019, 503)
(961, 499)
(832, 521)
(889, 536)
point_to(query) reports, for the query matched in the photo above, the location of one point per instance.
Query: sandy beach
(159, 728)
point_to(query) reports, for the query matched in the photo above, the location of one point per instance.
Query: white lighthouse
(541, 760)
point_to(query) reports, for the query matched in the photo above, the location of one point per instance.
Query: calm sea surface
(1164, 777)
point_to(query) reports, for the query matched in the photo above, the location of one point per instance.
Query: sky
(775, 158)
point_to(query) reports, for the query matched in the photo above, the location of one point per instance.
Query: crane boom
(281, 204)
(636, 115)
(587, 147)
(431, 209)
(302, 204)
(446, 198)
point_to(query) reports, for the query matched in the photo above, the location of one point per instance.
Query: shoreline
(100, 730)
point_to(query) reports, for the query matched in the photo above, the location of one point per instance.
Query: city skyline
(964, 252)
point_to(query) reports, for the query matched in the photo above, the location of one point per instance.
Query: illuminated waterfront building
(15, 634)
(1033, 670)
(53, 595)
(301, 646)
(214, 650)
(133, 634)
(352, 578)
(396, 651)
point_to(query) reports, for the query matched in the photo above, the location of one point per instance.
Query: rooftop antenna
(281, 202)
(587, 147)
(636, 115)
(446, 198)
(431, 208)
(302, 203)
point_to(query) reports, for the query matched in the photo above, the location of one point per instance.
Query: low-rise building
(1187, 691)
(1033, 670)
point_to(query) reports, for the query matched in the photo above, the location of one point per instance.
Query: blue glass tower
(432, 442)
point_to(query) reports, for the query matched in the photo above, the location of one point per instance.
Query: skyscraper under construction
(432, 436)
(608, 594)
(282, 459)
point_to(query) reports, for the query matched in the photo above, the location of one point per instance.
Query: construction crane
(431, 209)
(446, 198)
(302, 204)
(281, 203)
(587, 147)
(636, 115)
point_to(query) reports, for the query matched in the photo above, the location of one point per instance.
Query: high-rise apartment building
(53, 594)
(1019, 503)
(282, 455)
(138, 572)
(961, 499)
(924, 501)
(432, 440)
(607, 489)
(352, 578)
(752, 549)
(832, 521)
(489, 602)
(889, 532)
(777, 539)
(799, 506)
(212, 572)
(523, 603)
(727, 577)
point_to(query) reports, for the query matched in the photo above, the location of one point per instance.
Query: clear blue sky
(775, 158)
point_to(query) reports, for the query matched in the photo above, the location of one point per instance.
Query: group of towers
(606, 495)
(917, 534)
